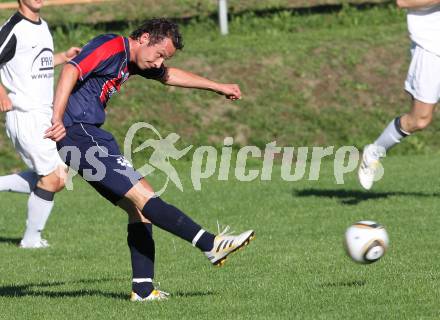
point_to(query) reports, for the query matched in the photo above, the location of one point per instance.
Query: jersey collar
(27, 19)
(127, 49)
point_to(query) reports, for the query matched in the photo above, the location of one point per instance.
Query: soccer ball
(366, 241)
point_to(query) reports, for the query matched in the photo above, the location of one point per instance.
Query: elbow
(402, 4)
(166, 77)
(164, 81)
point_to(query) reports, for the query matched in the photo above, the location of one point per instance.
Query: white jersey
(424, 28)
(26, 63)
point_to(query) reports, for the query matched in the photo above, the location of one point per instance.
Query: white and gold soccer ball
(366, 241)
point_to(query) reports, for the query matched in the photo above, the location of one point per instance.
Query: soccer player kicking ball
(422, 83)
(26, 70)
(85, 86)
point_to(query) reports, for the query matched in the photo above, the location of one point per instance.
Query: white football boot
(155, 295)
(370, 167)
(40, 244)
(225, 244)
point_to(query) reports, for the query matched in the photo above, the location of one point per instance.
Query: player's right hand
(56, 132)
(5, 104)
(230, 90)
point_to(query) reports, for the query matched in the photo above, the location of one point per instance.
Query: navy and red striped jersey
(103, 65)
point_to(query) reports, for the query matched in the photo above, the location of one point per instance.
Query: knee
(59, 185)
(140, 193)
(419, 117)
(134, 214)
(52, 184)
(138, 198)
(416, 123)
(423, 122)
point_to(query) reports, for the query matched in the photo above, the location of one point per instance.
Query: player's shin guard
(171, 219)
(141, 244)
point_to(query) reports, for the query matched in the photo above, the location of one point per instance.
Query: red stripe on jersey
(109, 88)
(112, 86)
(102, 53)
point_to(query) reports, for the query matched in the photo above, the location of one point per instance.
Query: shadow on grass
(39, 290)
(341, 284)
(14, 241)
(354, 197)
(191, 294)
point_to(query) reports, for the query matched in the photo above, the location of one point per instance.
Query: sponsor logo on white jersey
(42, 65)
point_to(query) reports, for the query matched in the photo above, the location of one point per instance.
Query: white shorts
(423, 80)
(26, 131)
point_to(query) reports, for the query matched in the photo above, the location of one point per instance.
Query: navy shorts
(94, 153)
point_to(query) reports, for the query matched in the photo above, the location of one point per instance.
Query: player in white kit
(26, 94)
(422, 83)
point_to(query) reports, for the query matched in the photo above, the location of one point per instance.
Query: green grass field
(307, 79)
(316, 79)
(139, 9)
(295, 269)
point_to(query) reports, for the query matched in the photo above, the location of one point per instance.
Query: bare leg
(418, 118)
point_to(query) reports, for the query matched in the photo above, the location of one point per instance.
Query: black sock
(141, 244)
(171, 219)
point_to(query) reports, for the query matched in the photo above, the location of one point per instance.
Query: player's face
(149, 57)
(34, 5)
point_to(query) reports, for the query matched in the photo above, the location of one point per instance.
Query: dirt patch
(383, 69)
(377, 75)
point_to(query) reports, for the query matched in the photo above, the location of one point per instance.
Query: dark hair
(159, 29)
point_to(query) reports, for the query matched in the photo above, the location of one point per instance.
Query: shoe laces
(162, 294)
(372, 167)
(377, 152)
(225, 231)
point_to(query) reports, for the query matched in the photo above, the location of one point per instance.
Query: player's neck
(132, 44)
(29, 14)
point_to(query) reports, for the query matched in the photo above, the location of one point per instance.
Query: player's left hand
(72, 53)
(56, 132)
(230, 90)
(5, 103)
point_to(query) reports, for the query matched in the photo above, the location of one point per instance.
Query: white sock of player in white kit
(23, 182)
(40, 205)
(392, 135)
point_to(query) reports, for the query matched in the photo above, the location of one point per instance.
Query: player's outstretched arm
(182, 78)
(63, 57)
(406, 4)
(67, 82)
(5, 102)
